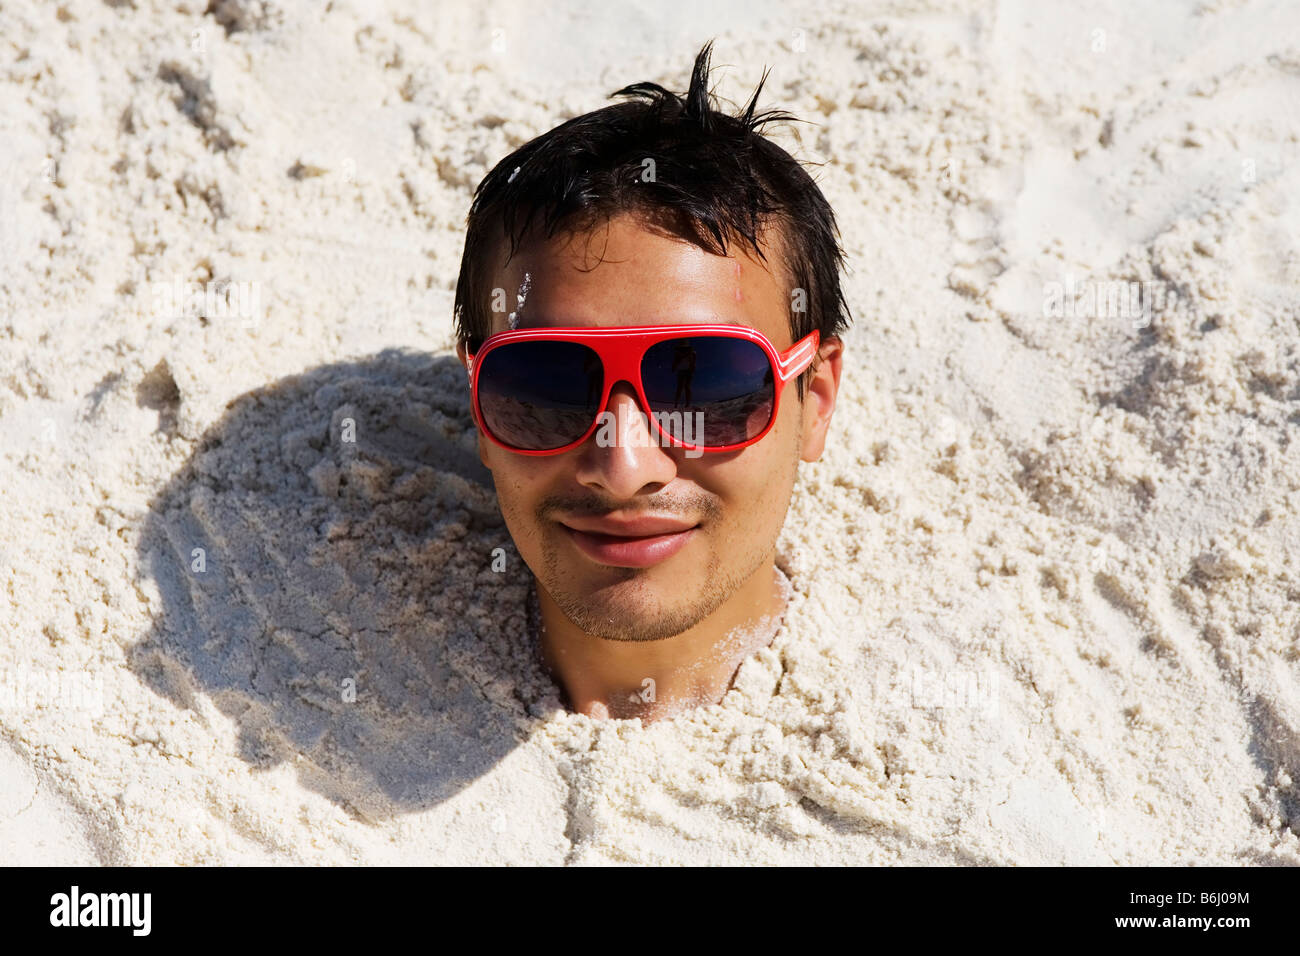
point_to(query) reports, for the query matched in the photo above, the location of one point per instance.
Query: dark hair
(715, 178)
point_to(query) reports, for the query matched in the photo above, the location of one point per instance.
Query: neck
(656, 679)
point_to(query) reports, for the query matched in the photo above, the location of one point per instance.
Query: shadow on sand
(324, 560)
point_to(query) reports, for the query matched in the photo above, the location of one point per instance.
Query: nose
(624, 457)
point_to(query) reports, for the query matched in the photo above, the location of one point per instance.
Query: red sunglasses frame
(621, 350)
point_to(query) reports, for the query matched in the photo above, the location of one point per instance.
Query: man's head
(660, 211)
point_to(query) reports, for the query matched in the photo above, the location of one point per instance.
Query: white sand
(1046, 580)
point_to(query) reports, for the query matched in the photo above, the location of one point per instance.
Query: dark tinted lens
(709, 390)
(539, 395)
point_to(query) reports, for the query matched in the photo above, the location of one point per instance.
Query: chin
(628, 608)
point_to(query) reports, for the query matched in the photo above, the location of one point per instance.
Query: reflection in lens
(539, 395)
(709, 390)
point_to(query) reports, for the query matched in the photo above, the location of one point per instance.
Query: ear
(462, 353)
(819, 397)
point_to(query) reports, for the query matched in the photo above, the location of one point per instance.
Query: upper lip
(635, 528)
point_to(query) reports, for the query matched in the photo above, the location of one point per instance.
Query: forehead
(623, 272)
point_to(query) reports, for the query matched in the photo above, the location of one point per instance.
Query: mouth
(639, 544)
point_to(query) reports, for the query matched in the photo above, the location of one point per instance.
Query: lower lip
(629, 552)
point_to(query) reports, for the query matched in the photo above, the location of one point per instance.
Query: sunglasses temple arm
(799, 357)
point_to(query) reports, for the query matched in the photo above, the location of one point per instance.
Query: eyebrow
(544, 320)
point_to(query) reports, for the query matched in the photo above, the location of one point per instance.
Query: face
(623, 274)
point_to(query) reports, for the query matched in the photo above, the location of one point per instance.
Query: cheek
(755, 485)
(519, 490)
(781, 457)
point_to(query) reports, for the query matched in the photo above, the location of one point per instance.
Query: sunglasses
(704, 387)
